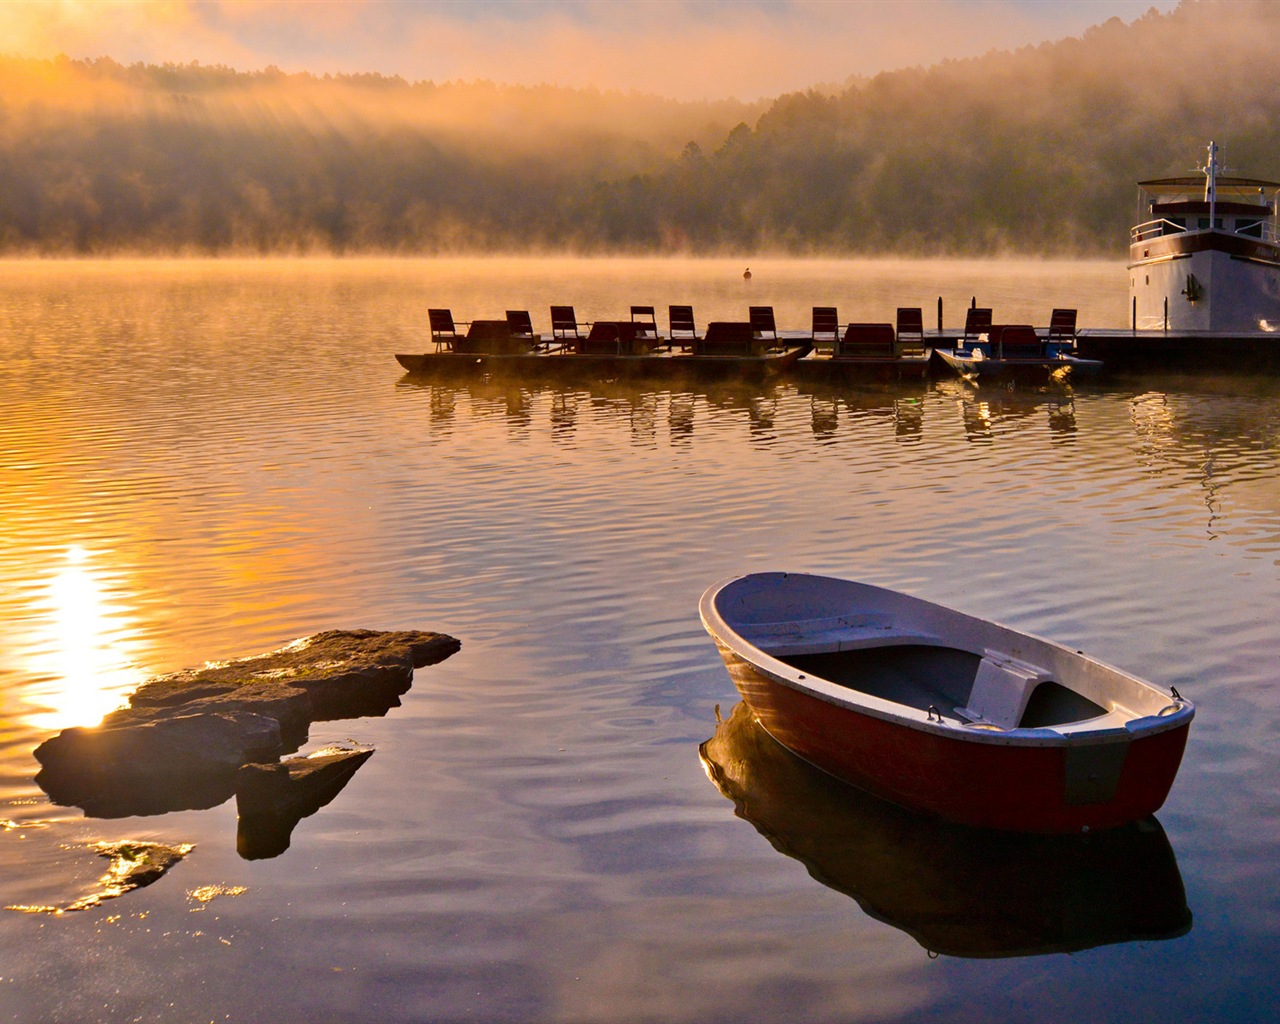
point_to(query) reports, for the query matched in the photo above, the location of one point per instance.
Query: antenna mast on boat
(1210, 171)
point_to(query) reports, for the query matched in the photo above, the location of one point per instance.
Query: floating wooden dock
(1232, 352)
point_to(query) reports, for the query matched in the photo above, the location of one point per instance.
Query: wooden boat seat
(1001, 690)
(867, 341)
(831, 635)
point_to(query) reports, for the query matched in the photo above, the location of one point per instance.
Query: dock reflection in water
(497, 398)
(957, 891)
(899, 404)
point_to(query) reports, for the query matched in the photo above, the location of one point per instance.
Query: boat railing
(1154, 229)
(1263, 229)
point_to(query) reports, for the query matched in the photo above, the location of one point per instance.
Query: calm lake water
(566, 821)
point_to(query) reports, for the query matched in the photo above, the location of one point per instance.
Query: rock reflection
(134, 864)
(192, 739)
(272, 798)
(957, 891)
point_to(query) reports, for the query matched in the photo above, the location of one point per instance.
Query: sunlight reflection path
(86, 650)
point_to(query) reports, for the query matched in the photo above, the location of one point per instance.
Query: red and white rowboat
(944, 712)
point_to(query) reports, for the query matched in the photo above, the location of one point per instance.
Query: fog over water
(995, 155)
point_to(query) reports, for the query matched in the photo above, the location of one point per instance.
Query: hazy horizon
(678, 49)
(999, 154)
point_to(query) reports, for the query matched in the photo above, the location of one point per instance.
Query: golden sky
(689, 49)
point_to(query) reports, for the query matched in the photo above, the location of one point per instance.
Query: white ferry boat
(1208, 256)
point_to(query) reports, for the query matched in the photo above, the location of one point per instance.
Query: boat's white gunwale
(1073, 735)
(1228, 240)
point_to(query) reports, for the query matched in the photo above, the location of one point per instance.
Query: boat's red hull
(1035, 788)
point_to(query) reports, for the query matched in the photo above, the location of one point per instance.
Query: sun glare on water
(87, 651)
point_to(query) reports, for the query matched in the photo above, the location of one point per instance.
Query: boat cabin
(1173, 206)
(1205, 253)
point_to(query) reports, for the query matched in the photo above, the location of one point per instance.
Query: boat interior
(933, 663)
(983, 691)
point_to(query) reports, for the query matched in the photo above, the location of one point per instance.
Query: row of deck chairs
(682, 327)
(908, 331)
(566, 327)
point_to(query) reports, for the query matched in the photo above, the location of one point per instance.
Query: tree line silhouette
(1029, 151)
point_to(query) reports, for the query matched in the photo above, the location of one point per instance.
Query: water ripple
(215, 460)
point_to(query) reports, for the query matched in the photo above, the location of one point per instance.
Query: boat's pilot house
(1171, 206)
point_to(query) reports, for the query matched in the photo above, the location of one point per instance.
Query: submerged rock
(272, 798)
(183, 737)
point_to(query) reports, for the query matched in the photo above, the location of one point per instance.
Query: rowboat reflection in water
(957, 890)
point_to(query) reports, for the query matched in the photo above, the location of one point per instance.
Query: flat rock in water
(184, 736)
(345, 673)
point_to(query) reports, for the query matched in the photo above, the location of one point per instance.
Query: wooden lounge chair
(826, 326)
(910, 330)
(762, 323)
(444, 332)
(520, 325)
(867, 341)
(646, 321)
(564, 325)
(977, 320)
(1062, 327)
(683, 331)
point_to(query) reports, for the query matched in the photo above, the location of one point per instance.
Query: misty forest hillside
(1031, 151)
